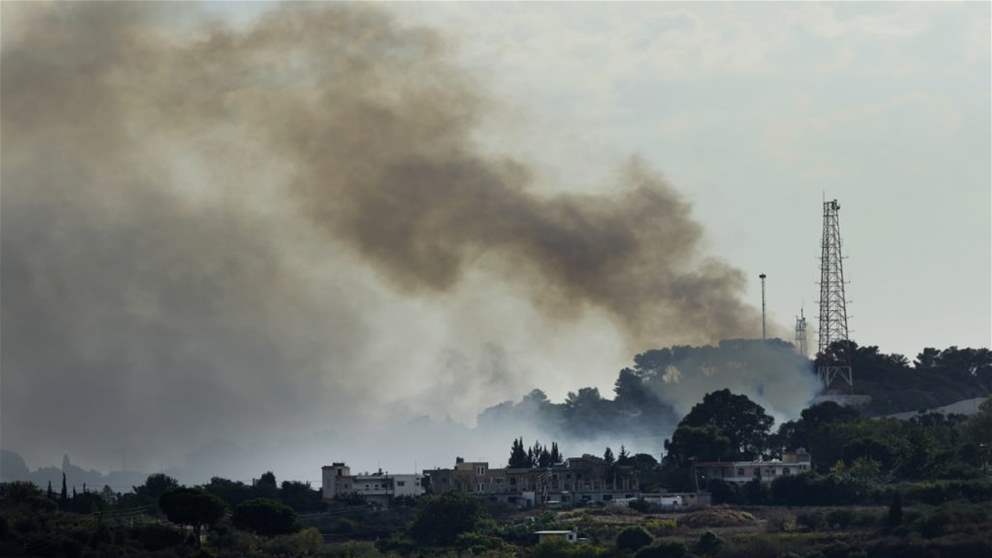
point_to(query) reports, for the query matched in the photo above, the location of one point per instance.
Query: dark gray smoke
(213, 232)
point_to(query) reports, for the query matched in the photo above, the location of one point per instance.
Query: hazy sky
(179, 275)
(754, 112)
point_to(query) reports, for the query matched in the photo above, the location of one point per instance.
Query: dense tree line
(933, 379)
(849, 451)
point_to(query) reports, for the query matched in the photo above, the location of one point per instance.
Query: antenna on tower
(763, 330)
(801, 338)
(833, 301)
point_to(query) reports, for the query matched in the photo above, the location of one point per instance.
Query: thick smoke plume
(207, 228)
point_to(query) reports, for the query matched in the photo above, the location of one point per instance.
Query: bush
(661, 527)
(477, 543)
(708, 544)
(633, 538)
(265, 517)
(155, 536)
(840, 519)
(191, 506)
(562, 549)
(442, 518)
(667, 549)
(811, 521)
(640, 505)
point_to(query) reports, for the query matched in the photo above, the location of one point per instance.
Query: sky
(185, 285)
(756, 111)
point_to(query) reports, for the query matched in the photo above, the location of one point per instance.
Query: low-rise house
(742, 472)
(379, 487)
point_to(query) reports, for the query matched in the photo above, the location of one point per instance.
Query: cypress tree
(518, 456)
(65, 493)
(50, 493)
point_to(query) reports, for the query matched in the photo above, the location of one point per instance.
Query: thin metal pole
(763, 329)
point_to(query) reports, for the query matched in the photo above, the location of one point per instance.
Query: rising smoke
(217, 233)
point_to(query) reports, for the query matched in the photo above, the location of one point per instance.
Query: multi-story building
(577, 480)
(378, 487)
(741, 472)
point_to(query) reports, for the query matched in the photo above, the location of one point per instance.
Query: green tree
(700, 443)
(64, 495)
(709, 544)
(555, 454)
(301, 497)
(633, 538)
(266, 487)
(265, 517)
(743, 422)
(545, 460)
(623, 458)
(232, 492)
(192, 506)
(441, 519)
(608, 457)
(155, 486)
(518, 455)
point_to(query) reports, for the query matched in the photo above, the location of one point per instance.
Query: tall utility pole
(800, 340)
(763, 330)
(833, 301)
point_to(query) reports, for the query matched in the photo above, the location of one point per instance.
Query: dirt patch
(717, 517)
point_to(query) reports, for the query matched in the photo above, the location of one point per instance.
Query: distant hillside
(965, 407)
(14, 468)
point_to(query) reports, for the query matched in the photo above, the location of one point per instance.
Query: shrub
(155, 536)
(441, 519)
(780, 522)
(477, 543)
(840, 519)
(666, 549)
(265, 517)
(708, 544)
(562, 549)
(661, 527)
(191, 506)
(811, 521)
(640, 505)
(633, 538)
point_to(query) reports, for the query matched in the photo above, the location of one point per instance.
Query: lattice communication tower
(833, 302)
(801, 339)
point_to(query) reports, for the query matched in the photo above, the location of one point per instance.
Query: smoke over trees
(207, 228)
(662, 386)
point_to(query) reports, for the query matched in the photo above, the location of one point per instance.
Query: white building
(741, 472)
(378, 487)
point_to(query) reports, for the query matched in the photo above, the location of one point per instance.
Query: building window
(740, 472)
(785, 470)
(400, 483)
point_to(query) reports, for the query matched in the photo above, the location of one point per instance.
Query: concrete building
(742, 472)
(378, 487)
(583, 479)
